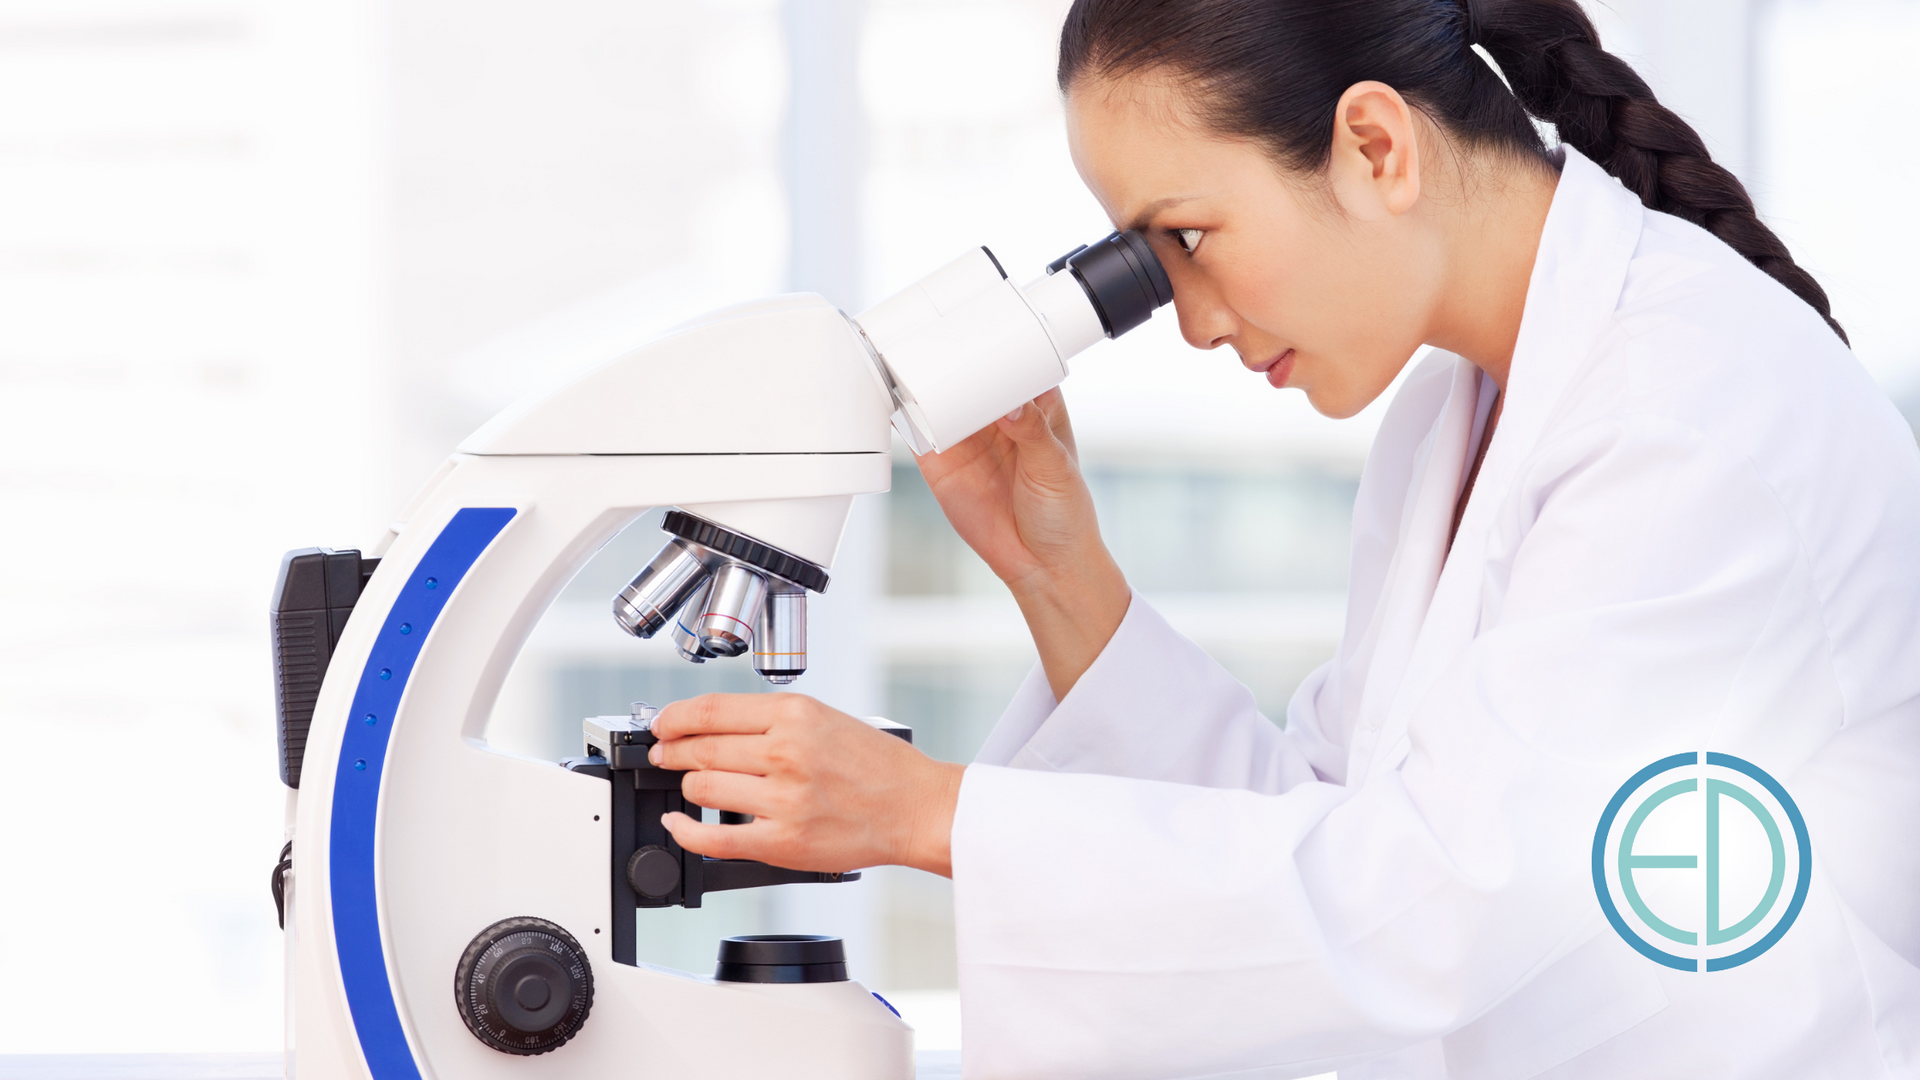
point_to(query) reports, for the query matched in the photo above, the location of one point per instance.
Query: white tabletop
(933, 1065)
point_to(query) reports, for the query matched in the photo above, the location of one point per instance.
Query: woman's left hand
(826, 791)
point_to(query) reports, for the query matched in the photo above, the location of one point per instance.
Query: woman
(1641, 502)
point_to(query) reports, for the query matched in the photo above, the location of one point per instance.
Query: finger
(713, 714)
(1024, 423)
(1043, 456)
(1031, 428)
(728, 753)
(761, 841)
(1054, 404)
(934, 465)
(738, 792)
(716, 841)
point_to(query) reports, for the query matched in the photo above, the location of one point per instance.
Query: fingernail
(653, 755)
(1017, 410)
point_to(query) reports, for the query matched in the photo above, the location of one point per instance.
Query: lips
(1278, 369)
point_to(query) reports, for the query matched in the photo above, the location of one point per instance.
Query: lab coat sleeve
(1155, 706)
(1117, 927)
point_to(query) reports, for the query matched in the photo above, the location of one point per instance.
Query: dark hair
(1274, 70)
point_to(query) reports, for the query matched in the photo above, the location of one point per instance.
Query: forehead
(1136, 142)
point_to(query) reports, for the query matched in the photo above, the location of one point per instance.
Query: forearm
(1155, 706)
(1072, 612)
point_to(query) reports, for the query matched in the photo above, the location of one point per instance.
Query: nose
(1208, 327)
(1205, 321)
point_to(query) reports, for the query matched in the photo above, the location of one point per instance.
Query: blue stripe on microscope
(356, 786)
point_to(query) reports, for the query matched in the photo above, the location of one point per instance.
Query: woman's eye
(1189, 238)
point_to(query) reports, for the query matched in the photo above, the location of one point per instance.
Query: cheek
(1275, 274)
(1350, 334)
(1303, 293)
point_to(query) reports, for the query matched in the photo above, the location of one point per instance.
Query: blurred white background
(264, 262)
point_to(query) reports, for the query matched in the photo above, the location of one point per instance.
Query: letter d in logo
(1701, 861)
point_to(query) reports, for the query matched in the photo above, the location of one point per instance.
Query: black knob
(653, 871)
(523, 986)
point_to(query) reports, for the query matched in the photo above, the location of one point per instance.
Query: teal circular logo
(1691, 861)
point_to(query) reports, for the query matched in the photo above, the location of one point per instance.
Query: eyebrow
(1146, 213)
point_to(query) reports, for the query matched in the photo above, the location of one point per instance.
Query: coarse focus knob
(523, 986)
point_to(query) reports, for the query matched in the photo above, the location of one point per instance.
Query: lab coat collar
(1592, 229)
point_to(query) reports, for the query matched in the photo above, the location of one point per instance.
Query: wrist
(929, 839)
(1089, 580)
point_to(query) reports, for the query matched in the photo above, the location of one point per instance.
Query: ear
(1375, 165)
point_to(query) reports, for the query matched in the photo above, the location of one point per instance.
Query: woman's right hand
(1014, 493)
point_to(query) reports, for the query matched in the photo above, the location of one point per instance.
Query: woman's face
(1310, 293)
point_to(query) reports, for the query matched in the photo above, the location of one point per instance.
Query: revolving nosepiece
(722, 592)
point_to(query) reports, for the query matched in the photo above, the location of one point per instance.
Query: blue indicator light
(386, 673)
(433, 583)
(406, 628)
(360, 764)
(371, 718)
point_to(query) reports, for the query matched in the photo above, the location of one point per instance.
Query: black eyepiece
(1123, 278)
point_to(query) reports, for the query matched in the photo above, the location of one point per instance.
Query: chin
(1335, 403)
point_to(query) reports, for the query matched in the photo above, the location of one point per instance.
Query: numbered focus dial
(523, 986)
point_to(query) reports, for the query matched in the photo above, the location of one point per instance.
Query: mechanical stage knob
(523, 986)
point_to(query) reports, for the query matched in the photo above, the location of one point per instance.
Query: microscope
(456, 911)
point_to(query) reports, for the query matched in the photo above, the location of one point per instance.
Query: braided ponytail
(1232, 51)
(1601, 107)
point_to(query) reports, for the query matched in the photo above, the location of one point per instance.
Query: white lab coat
(1697, 528)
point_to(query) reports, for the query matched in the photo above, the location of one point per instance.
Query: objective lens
(649, 601)
(780, 635)
(733, 602)
(685, 641)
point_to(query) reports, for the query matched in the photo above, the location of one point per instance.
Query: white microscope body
(412, 837)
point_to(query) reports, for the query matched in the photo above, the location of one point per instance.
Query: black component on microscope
(746, 549)
(782, 958)
(653, 871)
(1123, 278)
(315, 592)
(523, 986)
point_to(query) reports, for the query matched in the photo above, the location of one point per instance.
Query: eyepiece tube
(685, 641)
(780, 637)
(650, 600)
(1122, 277)
(733, 602)
(963, 345)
